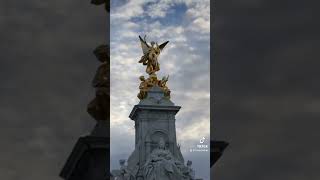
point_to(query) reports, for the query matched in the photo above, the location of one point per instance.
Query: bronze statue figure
(146, 84)
(150, 55)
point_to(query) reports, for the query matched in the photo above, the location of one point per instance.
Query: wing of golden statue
(144, 45)
(163, 45)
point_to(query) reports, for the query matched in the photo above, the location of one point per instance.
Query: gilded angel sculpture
(150, 56)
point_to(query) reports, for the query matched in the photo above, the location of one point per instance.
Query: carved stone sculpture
(161, 165)
(99, 107)
(190, 171)
(123, 173)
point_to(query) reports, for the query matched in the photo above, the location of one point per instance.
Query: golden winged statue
(150, 56)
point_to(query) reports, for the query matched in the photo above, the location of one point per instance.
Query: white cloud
(129, 10)
(199, 14)
(200, 25)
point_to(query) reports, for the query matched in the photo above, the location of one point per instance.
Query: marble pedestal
(154, 118)
(89, 159)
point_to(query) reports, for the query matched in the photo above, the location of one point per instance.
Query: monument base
(216, 151)
(89, 159)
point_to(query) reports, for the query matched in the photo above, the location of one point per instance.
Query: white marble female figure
(161, 165)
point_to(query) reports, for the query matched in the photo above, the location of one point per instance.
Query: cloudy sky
(186, 24)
